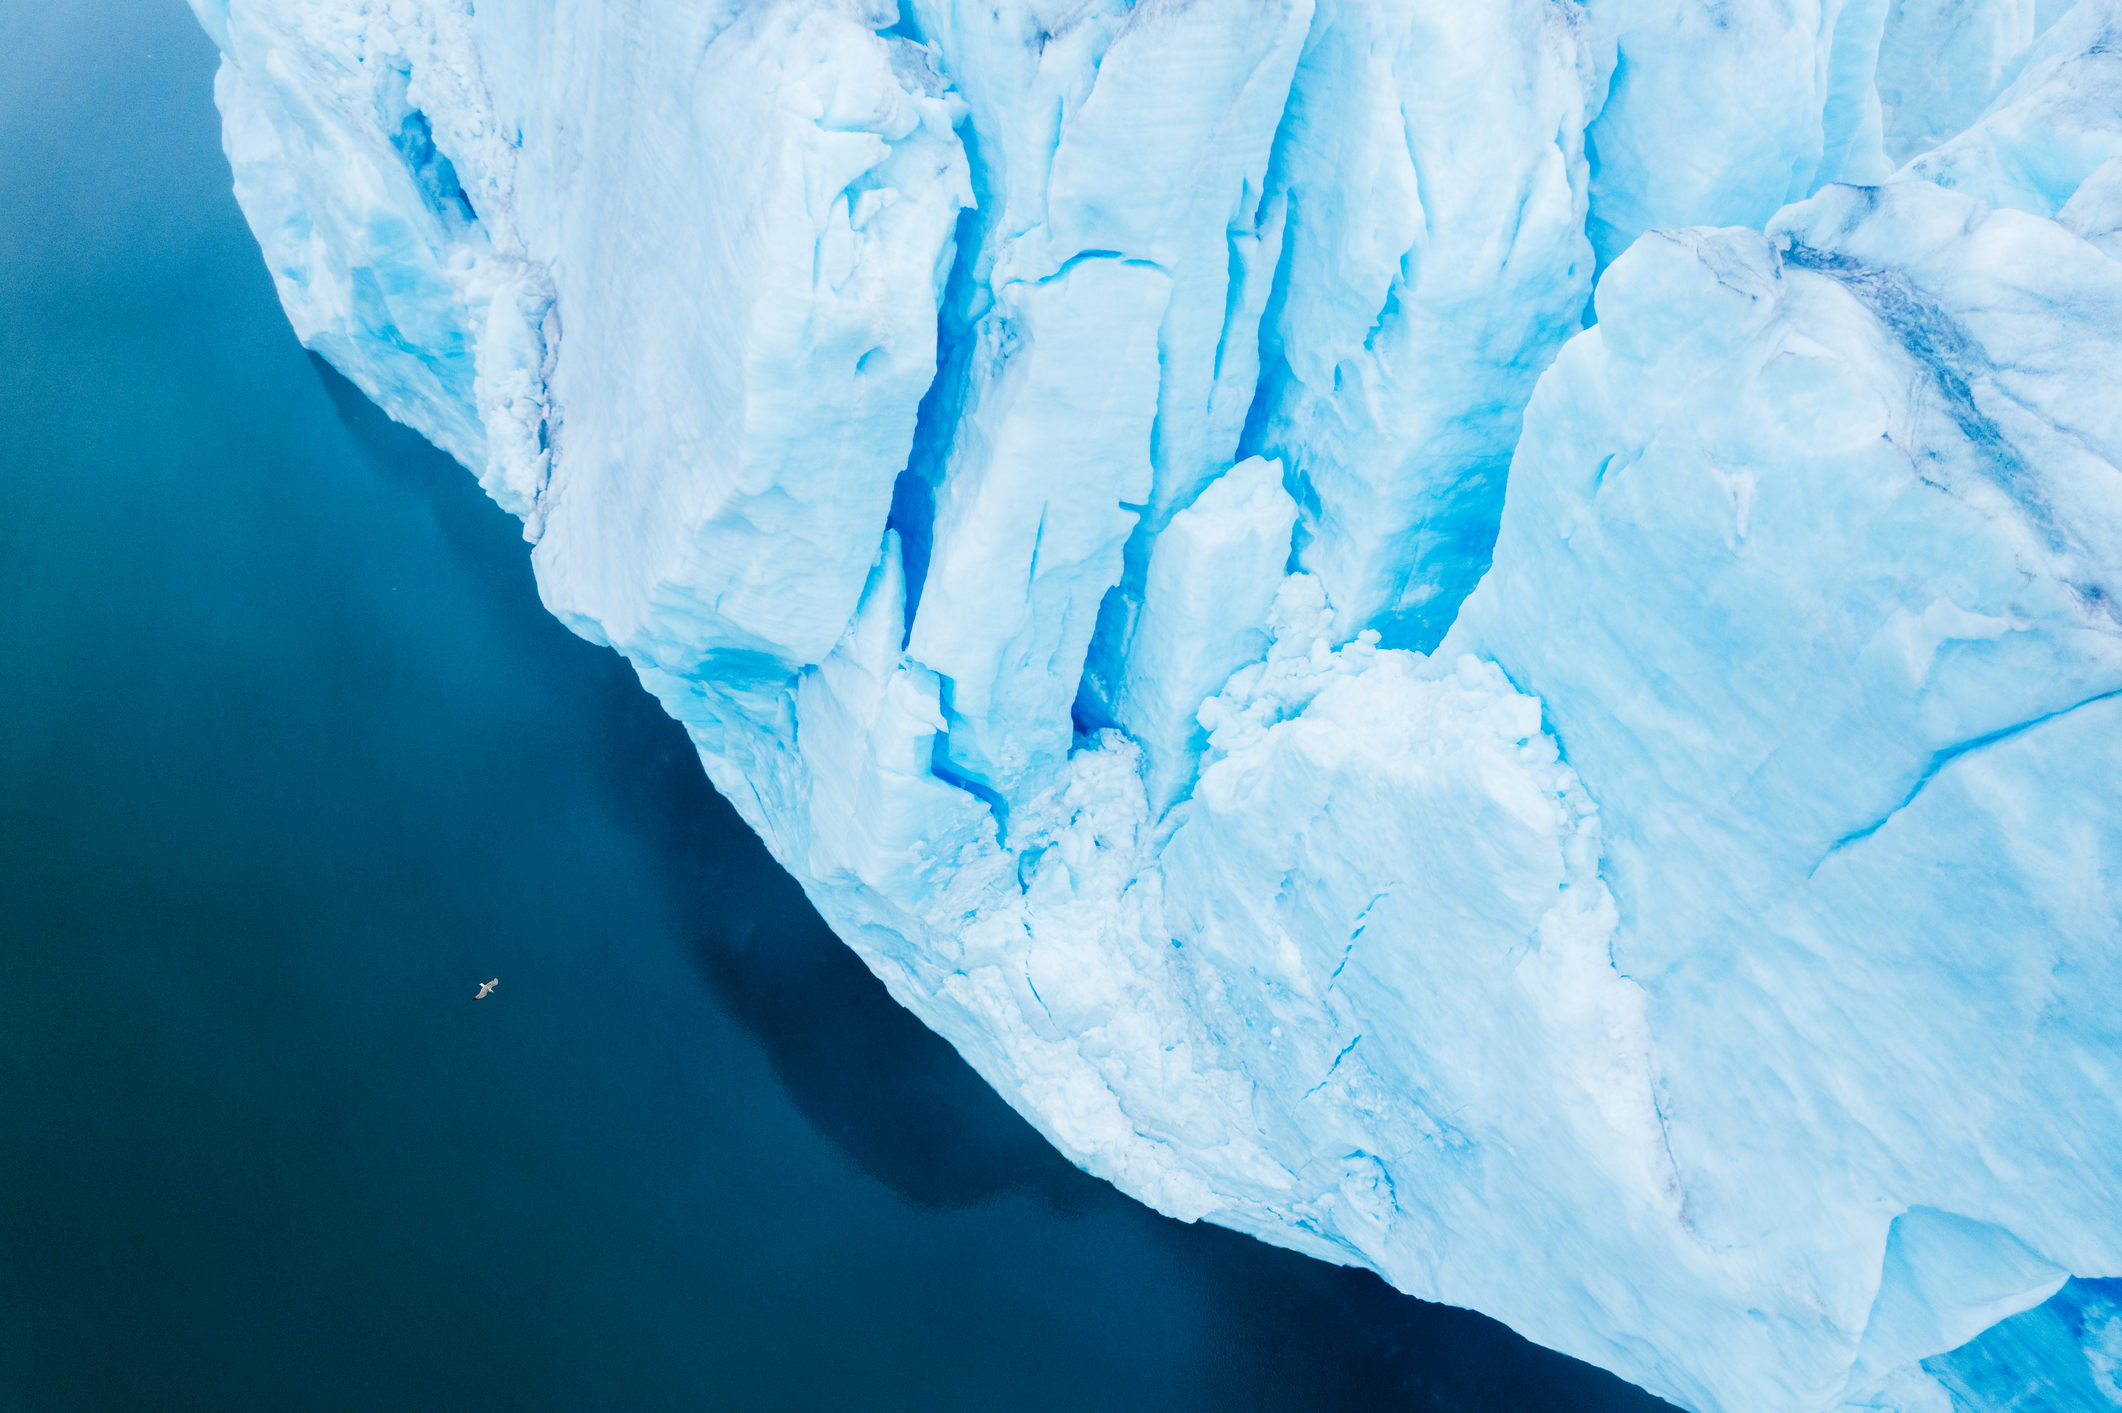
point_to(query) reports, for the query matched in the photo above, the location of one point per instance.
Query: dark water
(290, 758)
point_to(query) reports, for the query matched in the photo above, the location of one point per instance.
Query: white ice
(1481, 640)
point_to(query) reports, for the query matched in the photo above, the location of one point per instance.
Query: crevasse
(1477, 639)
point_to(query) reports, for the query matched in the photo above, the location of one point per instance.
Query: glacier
(1484, 641)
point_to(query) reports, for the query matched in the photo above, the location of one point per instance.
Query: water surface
(291, 758)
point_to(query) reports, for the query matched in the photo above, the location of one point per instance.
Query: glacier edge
(1428, 667)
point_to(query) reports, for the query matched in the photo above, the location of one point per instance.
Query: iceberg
(1479, 640)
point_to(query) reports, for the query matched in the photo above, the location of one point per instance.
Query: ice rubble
(1045, 453)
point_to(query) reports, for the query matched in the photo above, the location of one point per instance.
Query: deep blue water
(290, 758)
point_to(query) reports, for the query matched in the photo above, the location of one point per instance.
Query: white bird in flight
(486, 989)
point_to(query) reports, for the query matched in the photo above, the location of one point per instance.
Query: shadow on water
(401, 457)
(886, 1090)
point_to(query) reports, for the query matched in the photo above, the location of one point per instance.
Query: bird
(486, 989)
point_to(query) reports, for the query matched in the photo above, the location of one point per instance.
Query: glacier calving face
(1615, 826)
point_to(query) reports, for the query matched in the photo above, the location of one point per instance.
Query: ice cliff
(1481, 639)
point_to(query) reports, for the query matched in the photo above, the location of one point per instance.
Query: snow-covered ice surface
(1473, 638)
